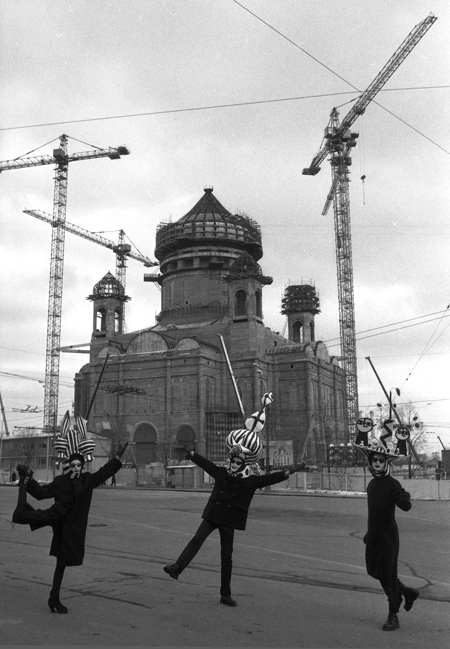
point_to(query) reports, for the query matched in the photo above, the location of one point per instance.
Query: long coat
(231, 497)
(73, 500)
(382, 539)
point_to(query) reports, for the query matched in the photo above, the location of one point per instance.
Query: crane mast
(61, 160)
(337, 143)
(52, 354)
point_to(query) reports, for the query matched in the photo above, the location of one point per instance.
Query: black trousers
(394, 590)
(226, 552)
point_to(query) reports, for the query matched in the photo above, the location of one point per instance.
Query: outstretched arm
(212, 469)
(278, 476)
(108, 469)
(41, 492)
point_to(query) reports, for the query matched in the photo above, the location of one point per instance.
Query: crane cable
(429, 345)
(336, 74)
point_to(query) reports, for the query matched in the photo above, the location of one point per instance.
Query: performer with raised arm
(384, 493)
(234, 487)
(72, 491)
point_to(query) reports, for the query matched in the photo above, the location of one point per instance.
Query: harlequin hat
(255, 423)
(73, 439)
(245, 441)
(384, 445)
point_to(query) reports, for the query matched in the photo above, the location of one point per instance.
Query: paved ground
(299, 576)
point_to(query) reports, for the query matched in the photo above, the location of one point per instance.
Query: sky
(234, 95)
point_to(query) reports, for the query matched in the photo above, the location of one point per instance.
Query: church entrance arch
(145, 439)
(185, 437)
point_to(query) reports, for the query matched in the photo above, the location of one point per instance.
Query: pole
(4, 416)
(96, 387)
(233, 380)
(388, 397)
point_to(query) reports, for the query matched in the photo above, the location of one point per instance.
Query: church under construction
(169, 385)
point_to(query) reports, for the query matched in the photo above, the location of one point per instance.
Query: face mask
(73, 468)
(379, 469)
(236, 467)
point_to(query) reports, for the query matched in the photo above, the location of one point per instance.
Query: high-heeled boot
(54, 603)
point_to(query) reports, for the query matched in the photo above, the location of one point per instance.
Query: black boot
(55, 605)
(25, 473)
(173, 570)
(410, 595)
(391, 623)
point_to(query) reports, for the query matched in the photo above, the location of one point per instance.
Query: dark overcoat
(382, 539)
(231, 497)
(73, 500)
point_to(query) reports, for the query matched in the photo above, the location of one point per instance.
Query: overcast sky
(114, 72)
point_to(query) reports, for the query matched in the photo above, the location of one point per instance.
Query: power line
(335, 73)
(211, 107)
(428, 346)
(392, 324)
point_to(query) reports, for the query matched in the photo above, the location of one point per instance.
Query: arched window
(258, 300)
(145, 439)
(101, 319)
(240, 303)
(118, 321)
(311, 327)
(297, 331)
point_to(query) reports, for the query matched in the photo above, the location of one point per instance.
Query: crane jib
(338, 141)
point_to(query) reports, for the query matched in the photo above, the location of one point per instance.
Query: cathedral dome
(206, 223)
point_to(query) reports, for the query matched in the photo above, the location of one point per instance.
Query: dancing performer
(72, 491)
(234, 487)
(384, 493)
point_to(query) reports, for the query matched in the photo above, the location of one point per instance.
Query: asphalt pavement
(299, 576)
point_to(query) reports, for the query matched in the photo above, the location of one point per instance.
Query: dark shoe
(391, 623)
(410, 595)
(55, 605)
(228, 601)
(24, 473)
(173, 570)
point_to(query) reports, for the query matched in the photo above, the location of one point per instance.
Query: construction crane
(61, 161)
(338, 142)
(122, 249)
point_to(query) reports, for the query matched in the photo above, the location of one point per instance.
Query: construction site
(203, 365)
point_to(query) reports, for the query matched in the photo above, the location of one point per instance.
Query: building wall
(170, 382)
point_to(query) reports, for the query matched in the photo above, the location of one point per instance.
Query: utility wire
(380, 333)
(392, 324)
(200, 108)
(428, 346)
(335, 73)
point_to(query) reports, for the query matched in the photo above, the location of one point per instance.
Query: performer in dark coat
(68, 516)
(384, 493)
(227, 507)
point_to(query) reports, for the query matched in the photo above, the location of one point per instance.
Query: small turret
(108, 296)
(300, 304)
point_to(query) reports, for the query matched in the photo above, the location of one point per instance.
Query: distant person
(13, 476)
(227, 508)
(72, 491)
(384, 493)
